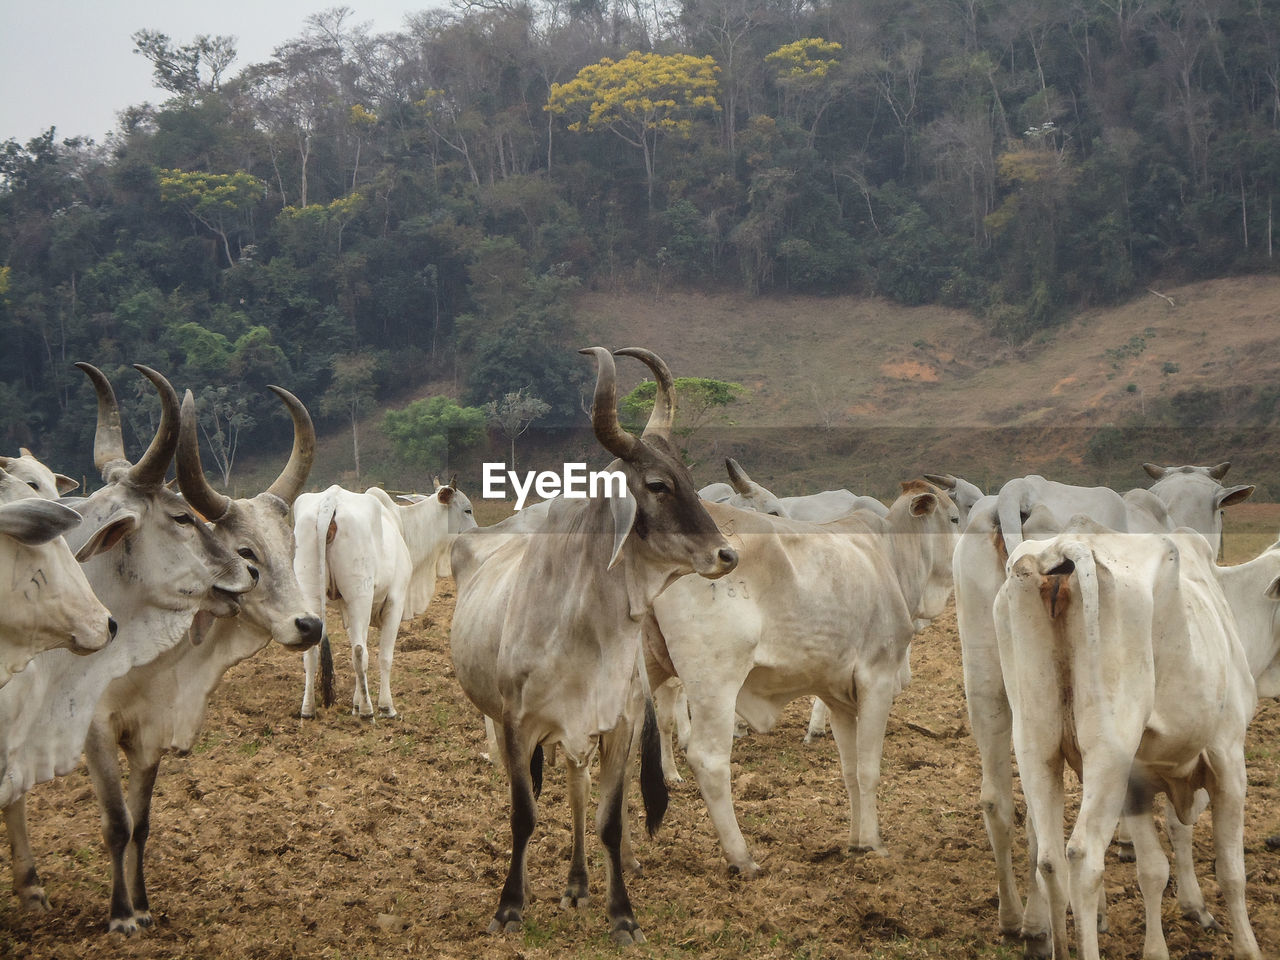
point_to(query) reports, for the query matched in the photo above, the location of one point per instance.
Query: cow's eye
(33, 485)
(184, 518)
(657, 486)
(774, 513)
(248, 554)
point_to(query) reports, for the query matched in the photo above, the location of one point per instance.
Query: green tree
(699, 402)
(514, 415)
(639, 98)
(426, 431)
(351, 389)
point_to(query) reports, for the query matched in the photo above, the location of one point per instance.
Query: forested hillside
(365, 212)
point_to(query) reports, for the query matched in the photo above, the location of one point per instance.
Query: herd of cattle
(1097, 630)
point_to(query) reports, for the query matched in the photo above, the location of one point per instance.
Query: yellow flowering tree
(808, 73)
(639, 98)
(217, 200)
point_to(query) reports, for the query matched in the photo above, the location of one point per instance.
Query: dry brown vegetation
(341, 838)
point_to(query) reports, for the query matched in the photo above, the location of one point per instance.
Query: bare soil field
(342, 838)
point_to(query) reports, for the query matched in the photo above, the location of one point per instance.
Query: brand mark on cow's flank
(573, 483)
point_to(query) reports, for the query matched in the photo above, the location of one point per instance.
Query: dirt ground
(342, 838)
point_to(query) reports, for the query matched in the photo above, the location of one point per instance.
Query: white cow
(825, 609)
(546, 635)
(979, 566)
(47, 602)
(380, 560)
(159, 707)
(745, 494)
(1122, 660)
(153, 564)
(37, 476)
(1064, 501)
(1195, 498)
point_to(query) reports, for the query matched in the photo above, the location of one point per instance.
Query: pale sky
(70, 63)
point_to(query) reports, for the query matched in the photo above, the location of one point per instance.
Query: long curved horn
(604, 407)
(150, 470)
(738, 477)
(108, 440)
(293, 478)
(664, 399)
(211, 504)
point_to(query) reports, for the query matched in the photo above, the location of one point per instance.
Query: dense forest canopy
(364, 211)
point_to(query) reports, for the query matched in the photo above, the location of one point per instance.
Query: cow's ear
(923, 503)
(1273, 589)
(36, 521)
(445, 494)
(1233, 495)
(624, 518)
(1154, 470)
(64, 484)
(942, 481)
(108, 535)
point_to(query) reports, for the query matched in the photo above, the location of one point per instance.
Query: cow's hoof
(1201, 916)
(748, 871)
(625, 933)
(1037, 947)
(387, 712)
(33, 898)
(126, 927)
(880, 850)
(144, 919)
(507, 926)
(572, 901)
(1273, 843)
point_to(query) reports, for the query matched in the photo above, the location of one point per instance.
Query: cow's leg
(142, 783)
(1190, 896)
(710, 744)
(26, 881)
(389, 625)
(991, 721)
(1036, 931)
(357, 614)
(517, 753)
(1105, 779)
(875, 697)
(310, 662)
(103, 762)
(1153, 877)
(819, 717)
(1042, 787)
(670, 701)
(579, 788)
(615, 752)
(1227, 804)
(491, 742)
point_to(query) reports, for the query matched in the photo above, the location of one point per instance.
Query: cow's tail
(326, 671)
(313, 578)
(653, 785)
(1076, 559)
(1009, 508)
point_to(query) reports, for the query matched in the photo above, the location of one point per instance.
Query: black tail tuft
(653, 786)
(326, 671)
(535, 770)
